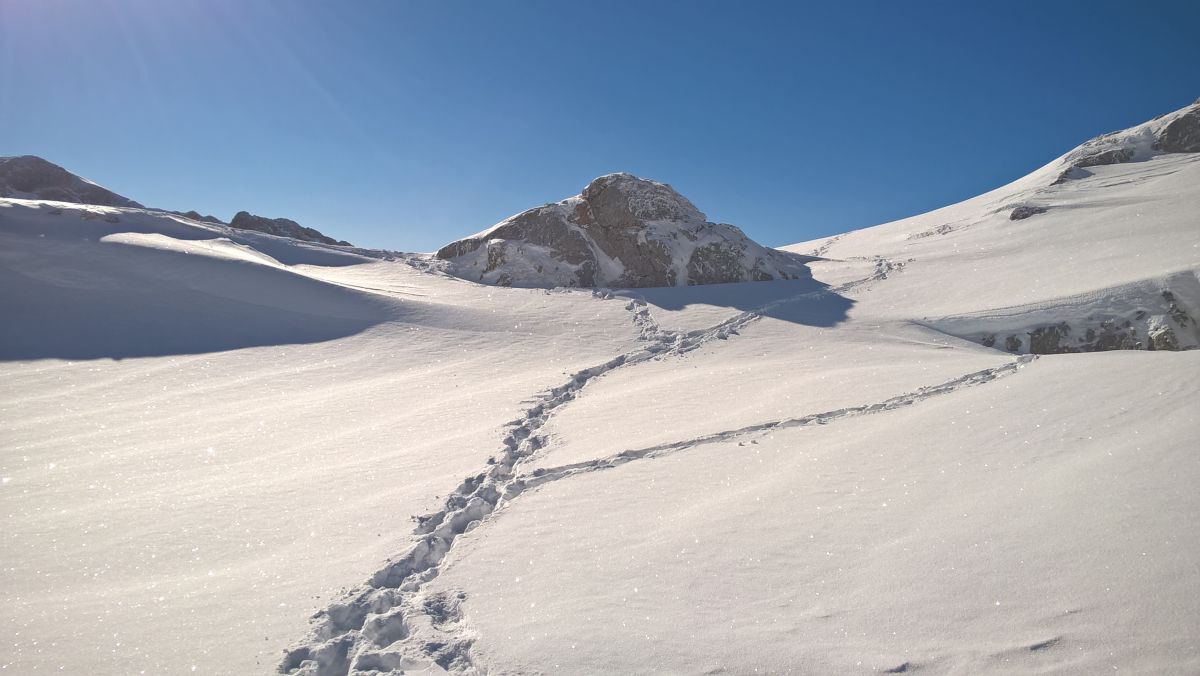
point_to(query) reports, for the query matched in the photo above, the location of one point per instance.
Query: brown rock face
(621, 231)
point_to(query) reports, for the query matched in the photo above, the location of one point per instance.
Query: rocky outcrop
(1177, 132)
(1181, 134)
(1160, 323)
(197, 216)
(281, 227)
(1024, 211)
(621, 231)
(31, 177)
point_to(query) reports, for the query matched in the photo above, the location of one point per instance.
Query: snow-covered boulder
(31, 177)
(1175, 132)
(621, 231)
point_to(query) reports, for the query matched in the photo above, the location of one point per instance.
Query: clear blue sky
(408, 124)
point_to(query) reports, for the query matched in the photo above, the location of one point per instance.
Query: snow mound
(92, 282)
(31, 177)
(621, 231)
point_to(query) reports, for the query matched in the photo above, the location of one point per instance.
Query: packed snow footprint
(389, 624)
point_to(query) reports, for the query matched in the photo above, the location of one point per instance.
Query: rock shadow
(799, 301)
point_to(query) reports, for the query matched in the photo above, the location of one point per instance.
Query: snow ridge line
(550, 474)
(360, 633)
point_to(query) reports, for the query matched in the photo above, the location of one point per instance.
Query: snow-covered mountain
(229, 452)
(621, 231)
(1052, 265)
(30, 177)
(1177, 132)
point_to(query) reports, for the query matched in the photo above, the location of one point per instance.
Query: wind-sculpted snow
(90, 282)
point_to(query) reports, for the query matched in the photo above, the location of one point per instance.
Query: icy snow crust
(213, 435)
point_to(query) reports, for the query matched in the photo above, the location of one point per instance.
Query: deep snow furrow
(550, 474)
(383, 625)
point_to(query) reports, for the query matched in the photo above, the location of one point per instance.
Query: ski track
(391, 623)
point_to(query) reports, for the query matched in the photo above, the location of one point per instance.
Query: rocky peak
(620, 231)
(31, 177)
(626, 201)
(281, 227)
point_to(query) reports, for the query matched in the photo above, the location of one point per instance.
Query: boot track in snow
(391, 623)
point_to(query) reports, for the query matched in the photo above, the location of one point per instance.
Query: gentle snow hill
(206, 432)
(84, 282)
(621, 231)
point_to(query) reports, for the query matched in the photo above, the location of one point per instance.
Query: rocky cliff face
(281, 227)
(1177, 132)
(32, 178)
(621, 231)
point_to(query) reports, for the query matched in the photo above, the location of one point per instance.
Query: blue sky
(405, 125)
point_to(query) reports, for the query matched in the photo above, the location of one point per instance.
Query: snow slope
(226, 432)
(179, 495)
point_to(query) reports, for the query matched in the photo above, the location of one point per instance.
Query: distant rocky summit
(1176, 132)
(621, 231)
(194, 215)
(32, 178)
(281, 227)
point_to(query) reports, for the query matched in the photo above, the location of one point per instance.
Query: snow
(209, 435)
(1026, 525)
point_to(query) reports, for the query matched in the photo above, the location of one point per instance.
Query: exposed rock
(1025, 211)
(30, 177)
(1158, 321)
(196, 216)
(1175, 312)
(1051, 340)
(1162, 337)
(280, 227)
(943, 229)
(1177, 132)
(1182, 135)
(621, 231)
